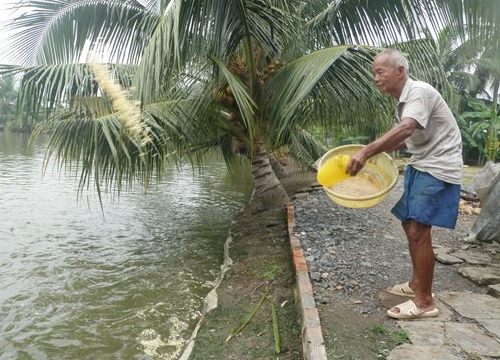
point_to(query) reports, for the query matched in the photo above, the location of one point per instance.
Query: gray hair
(396, 58)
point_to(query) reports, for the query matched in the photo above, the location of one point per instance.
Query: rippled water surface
(75, 284)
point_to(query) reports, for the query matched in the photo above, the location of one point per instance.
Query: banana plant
(481, 128)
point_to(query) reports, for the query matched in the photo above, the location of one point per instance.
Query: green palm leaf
(366, 22)
(45, 87)
(189, 31)
(90, 139)
(305, 147)
(389, 21)
(60, 31)
(320, 86)
(246, 104)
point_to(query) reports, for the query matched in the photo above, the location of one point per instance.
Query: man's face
(387, 77)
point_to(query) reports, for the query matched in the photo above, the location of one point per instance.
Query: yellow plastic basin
(381, 168)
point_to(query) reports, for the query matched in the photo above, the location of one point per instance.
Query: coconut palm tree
(244, 76)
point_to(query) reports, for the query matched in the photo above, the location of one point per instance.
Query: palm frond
(104, 154)
(44, 87)
(90, 106)
(152, 5)
(388, 21)
(246, 104)
(190, 31)
(363, 22)
(61, 31)
(305, 147)
(334, 87)
(320, 87)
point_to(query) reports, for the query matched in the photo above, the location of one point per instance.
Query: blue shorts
(428, 200)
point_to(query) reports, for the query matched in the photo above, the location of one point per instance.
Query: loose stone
(481, 275)
(448, 259)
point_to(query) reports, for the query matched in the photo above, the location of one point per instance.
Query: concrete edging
(312, 336)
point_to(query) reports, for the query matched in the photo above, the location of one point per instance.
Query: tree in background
(8, 96)
(246, 77)
(480, 129)
(473, 71)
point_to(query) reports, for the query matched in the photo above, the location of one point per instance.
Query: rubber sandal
(408, 310)
(401, 290)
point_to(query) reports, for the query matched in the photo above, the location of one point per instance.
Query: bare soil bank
(260, 252)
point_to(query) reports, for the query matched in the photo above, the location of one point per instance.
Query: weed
(270, 274)
(378, 329)
(400, 337)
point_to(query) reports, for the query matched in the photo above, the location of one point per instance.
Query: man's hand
(356, 163)
(390, 141)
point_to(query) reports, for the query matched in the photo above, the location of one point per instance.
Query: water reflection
(77, 285)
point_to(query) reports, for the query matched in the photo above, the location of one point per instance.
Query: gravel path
(353, 254)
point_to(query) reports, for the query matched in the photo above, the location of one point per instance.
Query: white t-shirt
(436, 143)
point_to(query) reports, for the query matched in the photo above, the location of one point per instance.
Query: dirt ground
(260, 252)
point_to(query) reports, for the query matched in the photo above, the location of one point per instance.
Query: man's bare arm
(390, 141)
(401, 146)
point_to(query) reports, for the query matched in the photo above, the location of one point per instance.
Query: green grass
(271, 273)
(378, 329)
(400, 337)
(387, 339)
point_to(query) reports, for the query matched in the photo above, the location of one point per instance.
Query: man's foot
(409, 310)
(401, 290)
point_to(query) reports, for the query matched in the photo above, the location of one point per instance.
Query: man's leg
(406, 228)
(422, 257)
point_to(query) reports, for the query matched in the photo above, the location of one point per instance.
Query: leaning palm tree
(243, 76)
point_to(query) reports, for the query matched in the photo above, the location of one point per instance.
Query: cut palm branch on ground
(276, 328)
(249, 317)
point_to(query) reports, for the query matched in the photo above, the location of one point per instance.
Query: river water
(129, 284)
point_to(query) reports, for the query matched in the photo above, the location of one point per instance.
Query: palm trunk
(496, 95)
(278, 169)
(268, 190)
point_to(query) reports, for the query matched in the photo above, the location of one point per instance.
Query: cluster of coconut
(225, 96)
(469, 207)
(269, 71)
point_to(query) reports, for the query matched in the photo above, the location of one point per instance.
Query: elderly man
(427, 128)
